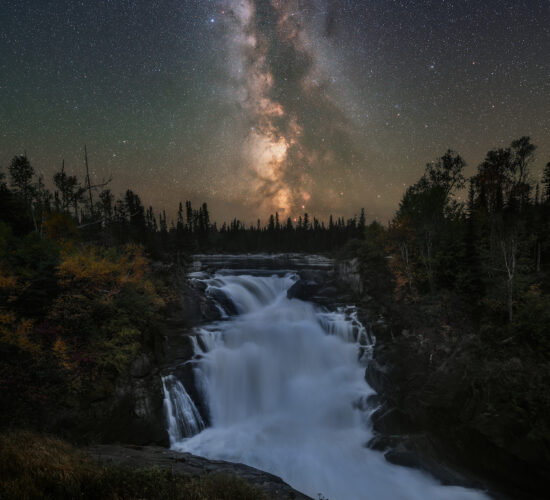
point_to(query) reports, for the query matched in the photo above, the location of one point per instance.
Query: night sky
(253, 106)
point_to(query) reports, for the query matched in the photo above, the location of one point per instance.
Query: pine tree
(21, 174)
(189, 215)
(546, 182)
(179, 224)
(205, 218)
(362, 222)
(163, 224)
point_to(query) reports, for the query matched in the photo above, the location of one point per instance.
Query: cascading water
(284, 384)
(184, 419)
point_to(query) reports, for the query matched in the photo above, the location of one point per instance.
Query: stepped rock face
(132, 412)
(185, 463)
(349, 273)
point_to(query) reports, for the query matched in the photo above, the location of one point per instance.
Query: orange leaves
(10, 286)
(106, 302)
(95, 272)
(7, 281)
(61, 227)
(139, 263)
(61, 352)
(16, 332)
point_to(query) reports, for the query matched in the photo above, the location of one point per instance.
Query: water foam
(284, 384)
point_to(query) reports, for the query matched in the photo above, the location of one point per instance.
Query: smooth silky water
(284, 385)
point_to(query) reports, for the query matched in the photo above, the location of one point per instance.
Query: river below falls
(284, 387)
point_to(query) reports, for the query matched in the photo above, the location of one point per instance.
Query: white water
(285, 384)
(182, 415)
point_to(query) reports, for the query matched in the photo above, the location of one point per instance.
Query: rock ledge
(185, 463)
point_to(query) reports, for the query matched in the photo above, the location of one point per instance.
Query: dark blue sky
(255, 105)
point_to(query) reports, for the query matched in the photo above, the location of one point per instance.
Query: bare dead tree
(509, 247)
(89, 187)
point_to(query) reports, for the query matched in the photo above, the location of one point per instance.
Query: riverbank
(35, 466)
(419, 421)
(468, 409)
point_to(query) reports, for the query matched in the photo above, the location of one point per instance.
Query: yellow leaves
(151, 290)
(10, 286)
(106, 301)
(95, 271)
(140, 264)
(88, 268)
(16, 332)
(7, 281)
(61, 227)
(61, 352)
(117, 352)
(6, 318)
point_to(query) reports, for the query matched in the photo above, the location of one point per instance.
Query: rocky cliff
(436, 383)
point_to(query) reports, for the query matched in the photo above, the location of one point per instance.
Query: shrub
(34, 466)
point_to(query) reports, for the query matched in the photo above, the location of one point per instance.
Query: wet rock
(391, 421)
(135, 415)
(377, 376)
(373, 401)
(315, 275)
(328, 291)
(349, 273)
(226, 303)
(303, 290)
(417, 452)
(382, 443)
(195, 307)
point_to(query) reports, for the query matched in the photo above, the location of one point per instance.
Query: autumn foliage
(73, 317)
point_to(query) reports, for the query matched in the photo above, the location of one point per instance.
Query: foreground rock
(185, 463)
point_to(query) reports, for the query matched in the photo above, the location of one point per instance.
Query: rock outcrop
(185, 463)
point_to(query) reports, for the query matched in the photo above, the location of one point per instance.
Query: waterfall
(285, 388)
(183, 418)
(249, 293)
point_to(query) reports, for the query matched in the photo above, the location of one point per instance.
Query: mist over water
(284, 384)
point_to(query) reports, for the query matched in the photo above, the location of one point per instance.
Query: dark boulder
(303, 290)
(391, 421)
(377, 376)
(413, 453)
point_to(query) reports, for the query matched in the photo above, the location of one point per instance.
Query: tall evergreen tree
(546, 183)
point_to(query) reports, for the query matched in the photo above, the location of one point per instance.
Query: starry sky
(253, 106)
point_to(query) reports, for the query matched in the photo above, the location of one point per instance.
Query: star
(272, 98)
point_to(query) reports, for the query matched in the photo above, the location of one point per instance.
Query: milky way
(296, 131)
(257, 106)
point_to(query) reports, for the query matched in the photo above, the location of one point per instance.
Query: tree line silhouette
(99, 217)
(493, 249)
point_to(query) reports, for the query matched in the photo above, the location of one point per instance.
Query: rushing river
(284, 385)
